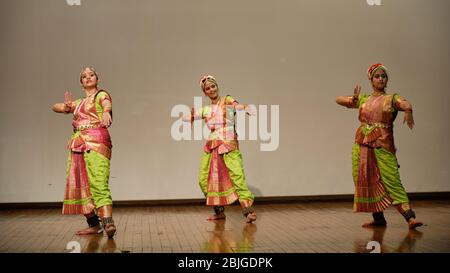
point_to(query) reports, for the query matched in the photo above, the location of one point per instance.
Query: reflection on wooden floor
(295, 227)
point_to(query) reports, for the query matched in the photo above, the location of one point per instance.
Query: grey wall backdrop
(297, 54)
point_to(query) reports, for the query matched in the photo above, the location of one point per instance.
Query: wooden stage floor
(310, 227)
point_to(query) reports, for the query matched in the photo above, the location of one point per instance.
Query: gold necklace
(91, 94)
(377, 94)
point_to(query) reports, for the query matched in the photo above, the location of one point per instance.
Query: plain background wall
(297, 54)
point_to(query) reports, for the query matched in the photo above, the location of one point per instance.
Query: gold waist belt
(87, 126)
(375, 125)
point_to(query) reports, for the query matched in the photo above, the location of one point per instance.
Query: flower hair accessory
(205, 78)
(371, 70)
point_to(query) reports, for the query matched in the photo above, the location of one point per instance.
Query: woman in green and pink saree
(374, 163)
(221, 174)
(88, 165)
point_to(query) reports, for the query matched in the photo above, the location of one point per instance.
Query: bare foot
(251, 217)
(216, 217)
(414, 234)
(413, 223)
(110, 230)
(90, 230)
(374, 223)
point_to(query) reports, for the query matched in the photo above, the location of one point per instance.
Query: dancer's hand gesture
(106, 119)
(250, 109)
(356, 92)
(409, 119)
(67, 102)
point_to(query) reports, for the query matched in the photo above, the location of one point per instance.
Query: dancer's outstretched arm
(403, 105)
(350, 101)
(105, 101)
(65, 107)
(249, 109)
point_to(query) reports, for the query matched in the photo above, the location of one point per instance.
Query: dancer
(88, 165)
(221, 175)
(375, 167)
